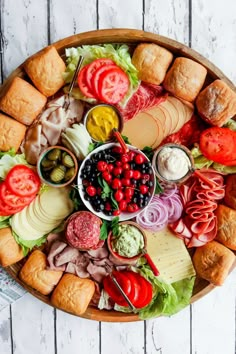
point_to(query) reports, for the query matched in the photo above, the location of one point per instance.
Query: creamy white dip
(173, 163)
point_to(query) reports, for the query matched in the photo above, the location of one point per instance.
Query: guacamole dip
(129, 242)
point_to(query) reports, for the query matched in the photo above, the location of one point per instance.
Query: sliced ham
(56, 248)
(97, 272)
(98, 253)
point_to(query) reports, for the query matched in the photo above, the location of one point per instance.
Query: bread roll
(230, 191)
(152, 62)
(45, 70)
(35, 274)
(216, 104)
(22, 101)
(12, 133)
(213, 262)
(185, 79)
(10, 251)
(226, 221)
(73, 294)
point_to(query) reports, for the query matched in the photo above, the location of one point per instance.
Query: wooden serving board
(132, 38)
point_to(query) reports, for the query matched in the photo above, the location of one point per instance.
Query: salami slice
(83, 230)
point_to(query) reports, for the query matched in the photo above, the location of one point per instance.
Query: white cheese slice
(55, 203)
(169, 255)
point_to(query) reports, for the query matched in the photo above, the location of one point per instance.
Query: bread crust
(73, 294)
(230, 191)
(213, 261)
(35, 274)
(185, 79)
(22, 101)
(216, 104)
(45, 69)
(226, 221)
(12, 133)
(10, 251)
(152, 62)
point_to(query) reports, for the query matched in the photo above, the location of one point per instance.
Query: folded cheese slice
(169, 255)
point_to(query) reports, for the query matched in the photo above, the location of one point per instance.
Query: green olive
(58, 174)
(69, 174)
(54, 154)
(47, 165)
(67, 160)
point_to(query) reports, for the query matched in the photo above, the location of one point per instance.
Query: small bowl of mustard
(100, 121)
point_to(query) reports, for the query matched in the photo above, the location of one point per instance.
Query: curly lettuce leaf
(8, 160)
(4, 221)
(201, 161)
(28, 245)
(118, 53)
(168, 299)
(231, 124)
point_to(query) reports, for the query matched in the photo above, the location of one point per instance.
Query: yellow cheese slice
(169, 255)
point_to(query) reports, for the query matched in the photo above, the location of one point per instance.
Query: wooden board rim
(129, 36)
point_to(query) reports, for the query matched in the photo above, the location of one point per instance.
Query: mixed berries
(128, 178)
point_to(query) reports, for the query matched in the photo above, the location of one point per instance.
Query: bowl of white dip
(173, 163)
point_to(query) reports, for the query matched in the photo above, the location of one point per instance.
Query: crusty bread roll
(185, 78)
(10, 251)
(22, 101)
(73, 294)
(213, 262)
(216, 104)
(45, 70)
(226, 221)
(230, 191)
(12, 133)
(35, 274)
(152, 62)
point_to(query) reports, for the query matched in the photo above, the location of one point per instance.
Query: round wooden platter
(132, 38)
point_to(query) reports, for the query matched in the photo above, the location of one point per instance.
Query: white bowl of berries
(112, 183)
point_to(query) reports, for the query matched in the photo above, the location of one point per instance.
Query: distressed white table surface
(206, 327)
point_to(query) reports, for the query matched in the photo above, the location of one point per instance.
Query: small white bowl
(123, 215)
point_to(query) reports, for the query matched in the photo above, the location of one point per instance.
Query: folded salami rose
(83, 230)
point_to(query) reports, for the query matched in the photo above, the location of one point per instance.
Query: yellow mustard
(100, 122)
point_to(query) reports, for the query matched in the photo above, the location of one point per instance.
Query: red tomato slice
(6, 210)
(83, 84)
(23, 181)
(112, 290)
(142, 290)
(96, 64)
(218, 144)
(12, 199)
(96, 77)
(113, 85)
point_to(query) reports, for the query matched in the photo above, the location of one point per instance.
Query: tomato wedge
(23, 181)
(83, 84)
(218, 144)
(112, 290)
(113, 85)
(96, 64)
(96, 76)
(12, 199)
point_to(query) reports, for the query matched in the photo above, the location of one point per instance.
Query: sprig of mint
(147, 150)
(115, 226)
(104, 230)
(93, 146)
(75, 197)
(107, 192)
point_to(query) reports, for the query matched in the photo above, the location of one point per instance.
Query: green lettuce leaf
(168, 299)
(231, 124)
(4, 221)
(28, 245)
(118, 53)
(10, 159)
(201, 161)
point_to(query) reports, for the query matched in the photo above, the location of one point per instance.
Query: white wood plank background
(206, 327)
